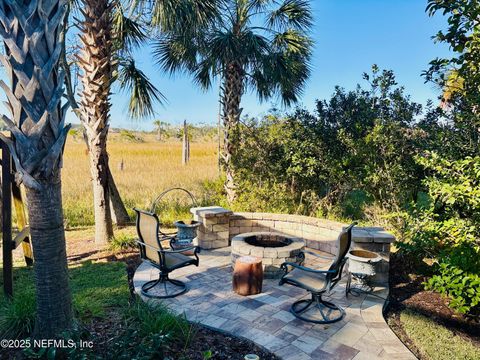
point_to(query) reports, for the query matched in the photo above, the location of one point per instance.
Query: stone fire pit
(273, 248)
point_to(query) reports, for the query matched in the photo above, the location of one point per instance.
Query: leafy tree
(459, 75)
(32, 36)
(260, 45)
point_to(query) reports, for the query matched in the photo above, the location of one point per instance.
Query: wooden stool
(248, 276)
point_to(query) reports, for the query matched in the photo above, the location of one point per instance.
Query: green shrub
(147, 329)
(17, 315)
(447, 230)
(130, 136)
(123, 242)
(461, 287)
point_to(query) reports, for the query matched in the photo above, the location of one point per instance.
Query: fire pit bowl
(362, 262)
(273, 248)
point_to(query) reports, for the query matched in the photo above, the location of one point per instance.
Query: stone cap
(372, 235)
(210, 211)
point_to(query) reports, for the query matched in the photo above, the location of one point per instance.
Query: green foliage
(96, 288)
(358, 149)
(459, 76)
(447, 231)
(435, 341)
(130, 136)
(266, 41)
(148, 328)
(461, 287)
(17, 316)
(99, 290)
(123, 242)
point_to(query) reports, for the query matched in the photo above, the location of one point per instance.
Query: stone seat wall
(220, 225)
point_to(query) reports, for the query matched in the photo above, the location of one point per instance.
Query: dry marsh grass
(149, 167)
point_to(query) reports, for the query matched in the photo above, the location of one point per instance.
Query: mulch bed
(220, 345)
(408, 292)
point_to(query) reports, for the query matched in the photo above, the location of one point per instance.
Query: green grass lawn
(435, 341)
(96, 288)
(131, 329)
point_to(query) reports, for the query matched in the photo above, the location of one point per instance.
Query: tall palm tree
(32, 35)
(254, 44)
(106, 36)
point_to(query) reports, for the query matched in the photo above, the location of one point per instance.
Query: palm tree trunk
(101, 196)
(117, 207)
(96, 64)
(51, 277)
(232, 96)
(32, 35)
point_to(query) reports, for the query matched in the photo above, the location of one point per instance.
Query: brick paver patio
(266, 320)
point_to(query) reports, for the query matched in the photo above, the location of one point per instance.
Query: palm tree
(160, 127)
(106, 37)
(254, 44)
(32, 35)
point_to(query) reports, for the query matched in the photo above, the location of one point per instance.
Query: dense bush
(357, 149)
(448, 230)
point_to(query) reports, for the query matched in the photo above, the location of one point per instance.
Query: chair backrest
(148, 226)
(344, 241)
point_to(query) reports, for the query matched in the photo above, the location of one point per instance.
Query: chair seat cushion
(177, 260)
(306, 280)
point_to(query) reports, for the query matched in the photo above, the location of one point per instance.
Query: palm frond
(143, 94)
(291, 13)
(292, 41)
(129, 34)
(204, 73)
(180, 15)
(175, 52)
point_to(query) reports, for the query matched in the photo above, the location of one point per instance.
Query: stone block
(265, 223)
(245, 229)
(205, 244)
(270, 252)
(242, 223)
(223, 220)
(219, 244)
(210, 211)
(361, 236)
(220, 227)
(209, 221)
(256, 251)
(223, 235)
(234, 230)
(383, 237)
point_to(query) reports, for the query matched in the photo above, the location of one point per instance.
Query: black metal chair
(317, 282)
(166, 261)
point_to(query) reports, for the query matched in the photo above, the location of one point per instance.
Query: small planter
(187, 232)
(362, 262)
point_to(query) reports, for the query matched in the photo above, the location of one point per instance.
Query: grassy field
(149, 167)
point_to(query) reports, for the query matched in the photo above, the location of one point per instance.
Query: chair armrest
(319, 256)
(195, 248)
(149, 246)
(295, 265)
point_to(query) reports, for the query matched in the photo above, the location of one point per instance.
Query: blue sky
(349, 35)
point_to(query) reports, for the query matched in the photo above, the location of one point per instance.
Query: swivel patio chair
(166, 261)
(318, 282)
